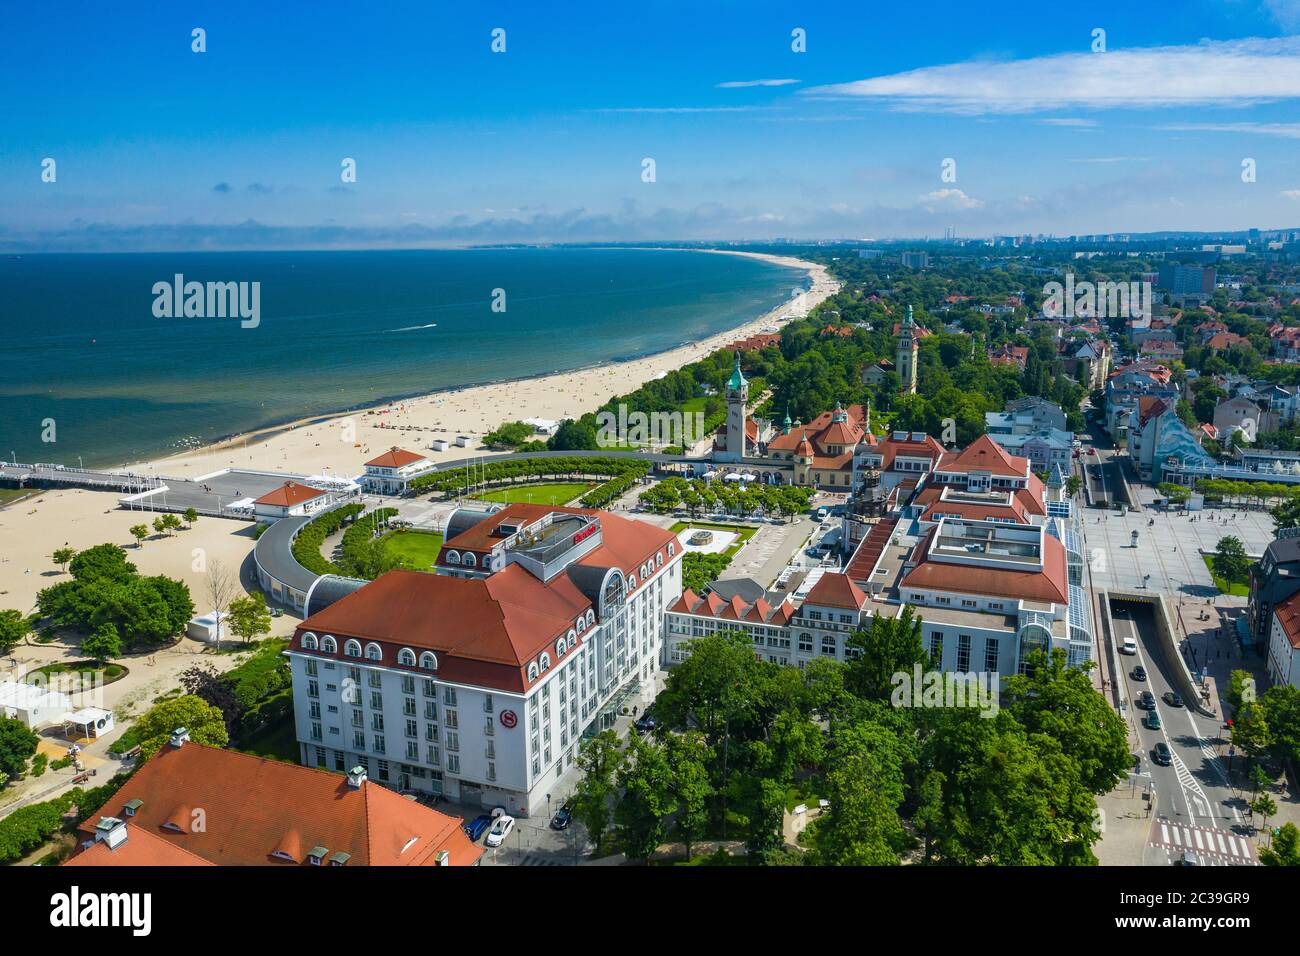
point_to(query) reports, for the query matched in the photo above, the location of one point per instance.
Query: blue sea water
(82, 348)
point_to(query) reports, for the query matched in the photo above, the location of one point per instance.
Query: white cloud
(1071, 122)
(1226, 73)
(1284, 130)
(743, 84)
(950, 198)
(1290, 193)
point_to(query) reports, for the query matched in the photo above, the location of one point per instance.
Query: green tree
(865, 788)
(1265, 806)
(688, 760)
(574, 435)
(17, 745)
(888, 646)
(62, 556)
(1285, 850)
(599, 760)
(1230, 561)
(1286, 515)
(102, 643)
(14, 628)
(139, 532)
(191, 517)
(248, 616)
(205, 723)
(1250, 730)
(647, 799)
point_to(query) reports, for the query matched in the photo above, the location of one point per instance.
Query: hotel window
(489, 728)
(560, 646)
(453, 763)
(430, 710)
(408, 684)
(315, 731)
(490, 751)
(453, 557)
(376, 721)
(828, 645)
(352, 649)
(309, 642)
(537, 767)
(487, 703)
(380, 746)
(449, 697)
(806, 642)
(375, 679)
(451, 718)
(544, 661)
(358, 740)
(532, 671)
(357, 719)
(313, 689)
(412, 728)
(311, 668)
(967, 602)
(430, 688)
(492, 771)
(320, 756)
(338, 760)
(376, 700)
(936, 649)
(412, 750)
(382, 771)
(328, 645)
(963, 653)
(452, 743)
(991, 655)
(429, 661)
(433, 756)
(314, 710)
(408, 706)
(354, 675)
(406, 657)
(373, 653)
(431, 732)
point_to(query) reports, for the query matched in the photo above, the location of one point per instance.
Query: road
(1196, 806)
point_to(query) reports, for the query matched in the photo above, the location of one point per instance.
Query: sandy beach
(33, 528)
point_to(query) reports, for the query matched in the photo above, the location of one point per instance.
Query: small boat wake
(414, 328)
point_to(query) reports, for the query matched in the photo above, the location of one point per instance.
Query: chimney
(443, 858)
(110, 830)
(356, 777)
(180, 736)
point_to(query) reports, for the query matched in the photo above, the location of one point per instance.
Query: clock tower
(737, 400)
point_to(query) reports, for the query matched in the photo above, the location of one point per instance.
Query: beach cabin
(34, 705)
(438, 444)
(291, 499)
(391, 472)
(462, 441)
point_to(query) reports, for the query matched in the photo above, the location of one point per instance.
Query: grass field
(542, 493)
(1236, 590)
(420, 548)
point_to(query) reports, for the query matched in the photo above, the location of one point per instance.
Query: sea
(99, 367)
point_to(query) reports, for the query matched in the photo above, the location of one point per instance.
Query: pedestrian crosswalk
(1212, 847)
(532, 859)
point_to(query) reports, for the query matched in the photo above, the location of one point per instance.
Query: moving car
(562, 818)
(1152, 720)
(1139, 673)
(1172, 699)
(1146, 701)
(1129, 646)
(1160, 753)
(500, 830)
(644, 724)
(474, 829)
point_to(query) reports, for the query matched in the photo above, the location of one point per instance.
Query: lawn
(87, 670)
(1236, 590)
(420, 548)
(541, 493)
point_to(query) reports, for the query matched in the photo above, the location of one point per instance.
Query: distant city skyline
(902, 121)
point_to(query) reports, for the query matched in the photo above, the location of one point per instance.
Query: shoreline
(260, 444)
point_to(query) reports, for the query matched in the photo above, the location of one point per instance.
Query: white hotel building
(480, 681)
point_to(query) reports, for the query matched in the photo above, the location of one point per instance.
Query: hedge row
(306, 547)
(450, 482)
(610, 490)
(31, 827)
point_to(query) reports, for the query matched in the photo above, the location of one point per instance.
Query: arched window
(560, 647)
(373, 653)
(406, 657)
(352, 649)
(468, 559)
(631, 582)
(572, 639)
(532, 671)
(672, 549)
(309, 642)
(544, 661)
(591, 618)
(429, 661)
(328, 645)
(659, 559)
(453, 557)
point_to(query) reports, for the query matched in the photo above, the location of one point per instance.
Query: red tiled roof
(1047, 585)
(1288, 616)
(395, 458)
(836, 590)
(289, 494)
(141, 848)
(253, 805)
(710, 605)
(984, 454)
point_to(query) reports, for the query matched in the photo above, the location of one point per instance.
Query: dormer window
(672, 549)
(373, 653)
(309, 642)
(453, 557)
(545, 661)
(352, 649)
(429, 661)
(468, 559)
(532, 671)
(591, 618)
(560, 647)
(329, 645)
(406, 657)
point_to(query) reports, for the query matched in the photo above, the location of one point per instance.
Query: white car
(501, 828)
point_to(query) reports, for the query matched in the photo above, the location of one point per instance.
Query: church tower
(737, 399)
(908, 344)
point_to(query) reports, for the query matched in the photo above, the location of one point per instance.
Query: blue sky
(158, 147)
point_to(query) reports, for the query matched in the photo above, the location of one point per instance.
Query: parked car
(1146, 700)
(1152, 720)
(1189, 858)
(1160, 754)
(644, 724)
(1172, 699)
(1139, 673)
(500, 830)
(474, 829)
(563, 817)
